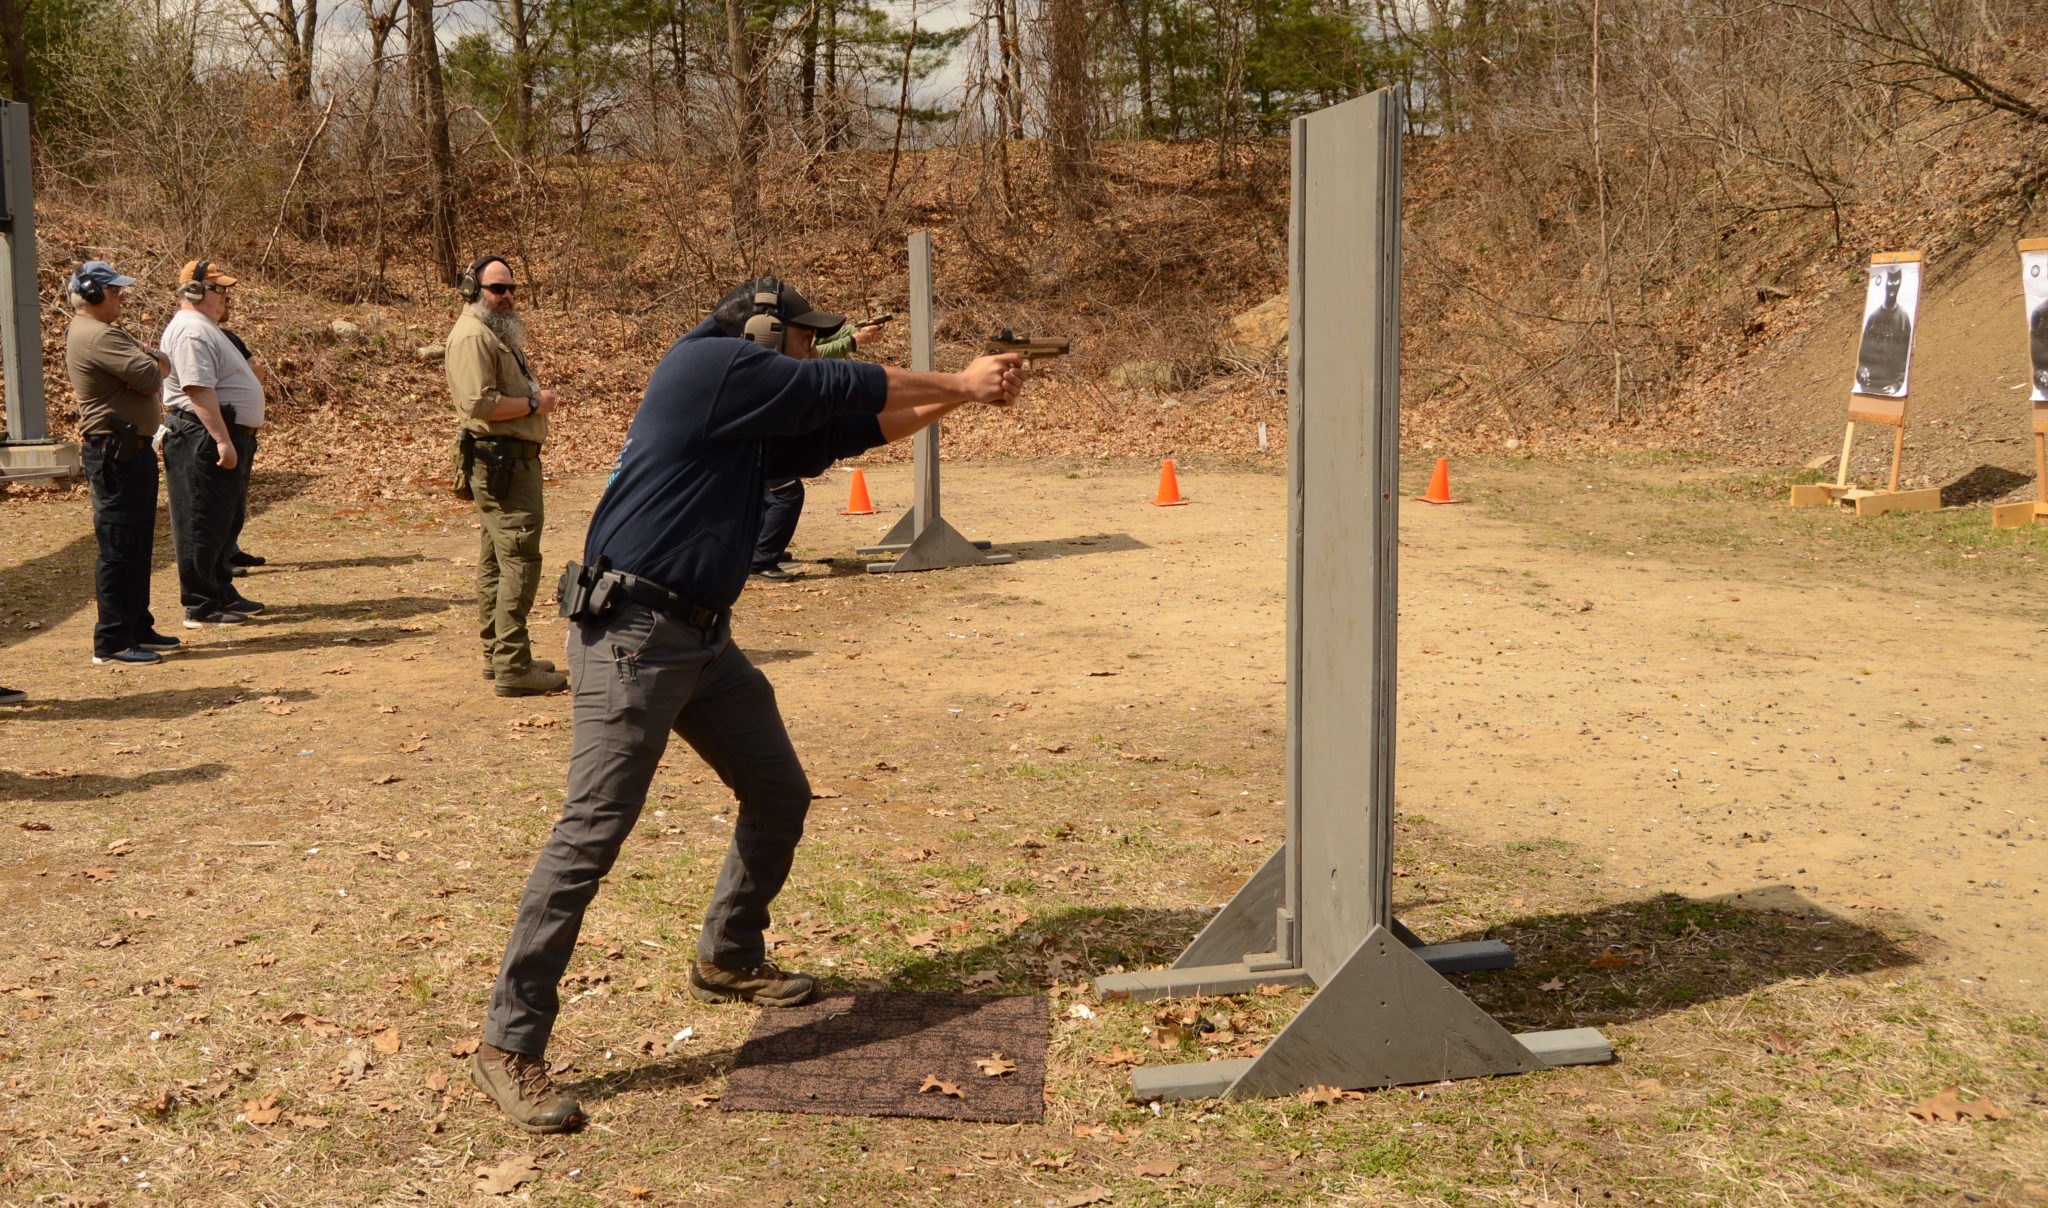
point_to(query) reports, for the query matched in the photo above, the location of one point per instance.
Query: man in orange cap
(214, 407)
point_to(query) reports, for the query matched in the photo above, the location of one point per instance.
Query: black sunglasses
(504, 288)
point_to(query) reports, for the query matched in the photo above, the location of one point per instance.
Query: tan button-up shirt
(482, 371)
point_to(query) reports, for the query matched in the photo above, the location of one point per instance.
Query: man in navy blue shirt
(739, 400)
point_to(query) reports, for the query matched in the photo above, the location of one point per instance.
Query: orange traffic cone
(1440, 484)
(1169, 487)
(857, 501)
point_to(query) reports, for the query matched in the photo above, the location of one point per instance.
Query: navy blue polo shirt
(720, 417)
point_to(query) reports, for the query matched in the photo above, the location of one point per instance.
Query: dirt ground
(1636, 694)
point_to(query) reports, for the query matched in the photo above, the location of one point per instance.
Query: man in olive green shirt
(504, 421)
(117, 383)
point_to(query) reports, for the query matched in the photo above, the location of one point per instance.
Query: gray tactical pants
(636, 677)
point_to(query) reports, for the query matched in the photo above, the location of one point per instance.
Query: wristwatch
(532, 405)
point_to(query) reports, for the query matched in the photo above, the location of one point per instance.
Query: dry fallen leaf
(1611, 960)
(437, 1081)
(1118, 1055)
(703, 1100)
(1946, 1106)
(995, 1065)
(462, 1048)
(986, 977)
(35, 826)
(637, 1193)
(387, 1040)
(1555, 983)
(1081, 1199)
(1052, 1161)
(506, 1175)
(261, 1111)
(933, 1082)
(1155, 1170)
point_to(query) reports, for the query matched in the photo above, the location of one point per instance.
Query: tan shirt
(482, 371)
(113, 376)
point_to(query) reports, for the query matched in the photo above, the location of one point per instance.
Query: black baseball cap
(737, 306)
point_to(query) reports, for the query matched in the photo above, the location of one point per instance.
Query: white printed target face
(1886, 350)
(2034, 280)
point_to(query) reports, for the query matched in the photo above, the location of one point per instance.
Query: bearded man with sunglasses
(504, 414)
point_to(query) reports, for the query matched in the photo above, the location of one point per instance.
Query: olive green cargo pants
(508, 557)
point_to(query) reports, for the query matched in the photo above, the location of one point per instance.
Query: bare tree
(430, 104)
(1068, 105)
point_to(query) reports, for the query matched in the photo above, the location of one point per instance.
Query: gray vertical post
(1320, 911)
(925, 456)
(21, 309)
(921, 539)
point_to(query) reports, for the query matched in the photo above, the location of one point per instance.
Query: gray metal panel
(1385, 1018)
(1568, 1046)
(1245, 924)
(925, 458)
(21, 310)
(1345, 407)
(1191, 981)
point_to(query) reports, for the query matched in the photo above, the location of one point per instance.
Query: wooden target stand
(2019, 515)
(1872, 409)
(921, 539)
(1320, 911)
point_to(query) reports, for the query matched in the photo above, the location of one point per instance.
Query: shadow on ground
(88, 786)
(163, 702)
(1982, 485)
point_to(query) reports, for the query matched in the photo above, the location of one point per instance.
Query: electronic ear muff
(469, 287)
(764, 326)
(92, 291)
(195, 289)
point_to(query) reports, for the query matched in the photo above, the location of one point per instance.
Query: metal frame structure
(922, 539)
(1320, 911)
(27, 451)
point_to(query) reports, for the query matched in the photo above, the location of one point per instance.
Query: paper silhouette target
(2034, 280)
(1886, 351)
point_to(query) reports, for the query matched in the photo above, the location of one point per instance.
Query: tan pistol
(1044, 348)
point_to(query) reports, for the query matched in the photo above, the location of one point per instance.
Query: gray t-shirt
(201, 356)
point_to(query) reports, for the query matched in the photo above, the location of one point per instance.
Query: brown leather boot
(520, 1086)
(763, 983)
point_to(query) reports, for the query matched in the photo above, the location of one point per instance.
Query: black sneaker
(200, 620)
(12, 696)
(238, 558)
(246, 607)
(772, 574)
(158, 641)
(134, 654)
(238, 572)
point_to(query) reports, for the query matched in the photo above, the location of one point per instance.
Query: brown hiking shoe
(763, 983)
(520, 1086)
(534, 683)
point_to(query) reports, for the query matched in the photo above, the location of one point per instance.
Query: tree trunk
(808, 72)
(13, 20)
(522, 80)
(1067, 107)
(744, 184)
(431, 104)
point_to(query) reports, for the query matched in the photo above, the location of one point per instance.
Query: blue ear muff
(92, 291)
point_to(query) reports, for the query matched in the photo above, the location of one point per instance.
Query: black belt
(181, 413)
(511, 446)
(662, 600)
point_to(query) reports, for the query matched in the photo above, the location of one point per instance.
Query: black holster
(588, 594)
(126, 444)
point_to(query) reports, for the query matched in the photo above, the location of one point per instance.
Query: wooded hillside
(1613, 205)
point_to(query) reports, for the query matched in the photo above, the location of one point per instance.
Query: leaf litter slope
(1029, 775)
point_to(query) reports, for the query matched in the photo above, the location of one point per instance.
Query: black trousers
(124, 520)
(207, 504)
(784, 507)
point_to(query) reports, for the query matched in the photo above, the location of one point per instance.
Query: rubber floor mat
(872, 1053)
